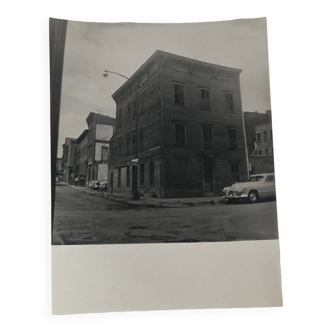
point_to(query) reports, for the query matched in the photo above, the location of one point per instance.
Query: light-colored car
(258, 186)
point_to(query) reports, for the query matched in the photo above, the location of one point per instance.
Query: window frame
(206, 126)
(141, 140)
(236, 139)
(184, 143)
(204, 108)
(228, 110)
(183, 88)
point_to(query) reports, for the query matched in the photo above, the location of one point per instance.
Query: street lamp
(136, 195)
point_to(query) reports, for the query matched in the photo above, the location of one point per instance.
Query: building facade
(261, 160)
(264, 140)
(100, 131)
(59, 167)
(251, 120)
(81, 158)
(185, 117)
(68, 158)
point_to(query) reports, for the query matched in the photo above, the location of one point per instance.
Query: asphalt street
(80, 218)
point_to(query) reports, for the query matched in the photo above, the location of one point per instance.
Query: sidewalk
(152, 202)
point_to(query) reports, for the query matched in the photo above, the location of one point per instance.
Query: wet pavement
(80, 218)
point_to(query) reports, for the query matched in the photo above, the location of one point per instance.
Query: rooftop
(159, 55)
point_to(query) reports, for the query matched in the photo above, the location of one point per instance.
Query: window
(141, 175)
(260, 152)
(235, 166)
(128, 145)
(267, 152)
(235, 170)
(207, 137)
(258, 137)
(232, 140)
(129, 112)
(265, 136)
(128, 176)
(119, 148)
(120, 118)
(229, 102)
(270, 178)
(142, 103)
(151, 173)
(178, 90)
(271, 136)
(181, 171)
(141, 140)
(134, 143)
(119, 177)
(205, 99)
(134, 109)
(180, 134)
(104, 153)
(111, 150)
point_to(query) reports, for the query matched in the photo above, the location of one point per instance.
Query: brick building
(190, 129)
(68, 158)
(100, 131)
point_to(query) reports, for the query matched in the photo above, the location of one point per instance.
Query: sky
(124, 47)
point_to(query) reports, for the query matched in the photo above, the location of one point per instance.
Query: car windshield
(256, 178)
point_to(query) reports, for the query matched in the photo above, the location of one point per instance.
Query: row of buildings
(86, 157)
(179, 131)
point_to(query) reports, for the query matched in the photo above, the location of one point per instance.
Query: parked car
(94, 185)
(103, 185)
(258, 186)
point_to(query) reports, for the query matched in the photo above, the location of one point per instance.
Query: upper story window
(271, 136)
(178, 90)
(134, 143)
(134, 109)
(120, 118)
(207, 137)
(258, 137)
(119, 148)
(265, 136)
(142, 103)
(180, 134)
(128, 146)
(205, 99)
(229, 102)
(129, 112)
(141, 140)
(232, 139)
(104, 153)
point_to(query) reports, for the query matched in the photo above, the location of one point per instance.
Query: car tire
(253, 196)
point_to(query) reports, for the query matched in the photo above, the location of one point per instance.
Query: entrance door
(208, 175)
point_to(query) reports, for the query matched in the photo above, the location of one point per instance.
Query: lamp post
(136, 195)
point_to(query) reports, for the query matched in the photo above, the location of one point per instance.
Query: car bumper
(236, 195)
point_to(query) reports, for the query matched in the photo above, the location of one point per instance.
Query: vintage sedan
(258, 186)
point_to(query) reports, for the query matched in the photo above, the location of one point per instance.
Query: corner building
(190, 129)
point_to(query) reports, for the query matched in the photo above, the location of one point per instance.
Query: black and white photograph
(163, 133)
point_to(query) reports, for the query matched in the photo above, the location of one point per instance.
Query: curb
(150, 204)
